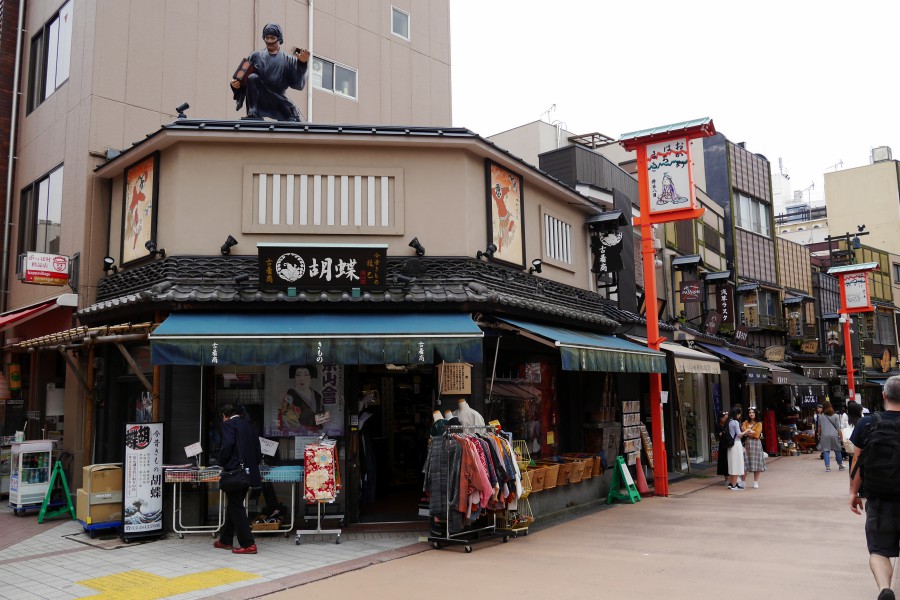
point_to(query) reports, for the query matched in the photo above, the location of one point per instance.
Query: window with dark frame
(50, 57)
(40, 214)
(896, 269)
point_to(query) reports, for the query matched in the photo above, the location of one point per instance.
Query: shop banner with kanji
(142, 495)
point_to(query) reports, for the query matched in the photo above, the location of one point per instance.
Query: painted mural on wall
(505, 198)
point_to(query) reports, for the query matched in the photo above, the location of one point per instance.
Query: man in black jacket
(239, 449)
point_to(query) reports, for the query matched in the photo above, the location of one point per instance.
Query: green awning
(585, 351)
(282, 339)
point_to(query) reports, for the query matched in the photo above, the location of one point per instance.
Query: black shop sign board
(322, 266)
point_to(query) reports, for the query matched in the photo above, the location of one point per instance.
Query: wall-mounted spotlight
(536, 265)
(228, 245)
(489, 251)
(420, 249)
(151, 248)
(109, 264)
(180, 110)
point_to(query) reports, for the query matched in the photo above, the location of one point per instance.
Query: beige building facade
(866, 196)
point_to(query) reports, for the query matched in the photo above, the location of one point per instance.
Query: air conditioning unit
(880, 154)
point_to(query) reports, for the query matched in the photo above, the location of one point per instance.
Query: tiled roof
(201, 282)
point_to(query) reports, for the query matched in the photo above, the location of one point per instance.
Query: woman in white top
(736, 452)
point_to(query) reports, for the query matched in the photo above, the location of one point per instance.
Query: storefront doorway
(395, 407)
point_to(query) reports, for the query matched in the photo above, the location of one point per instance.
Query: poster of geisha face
(139, 206)
(304, 400)
(505, 214)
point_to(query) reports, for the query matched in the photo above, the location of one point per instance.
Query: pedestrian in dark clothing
(882, 512)
(722, 465)
(239, 449)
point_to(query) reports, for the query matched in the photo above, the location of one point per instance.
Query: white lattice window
(557, 239)
(322, 200)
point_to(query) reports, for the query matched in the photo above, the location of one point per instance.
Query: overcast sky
(815, 83)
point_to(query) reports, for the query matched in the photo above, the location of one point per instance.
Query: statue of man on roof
(264, 77)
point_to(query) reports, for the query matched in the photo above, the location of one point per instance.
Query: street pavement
(794, 538)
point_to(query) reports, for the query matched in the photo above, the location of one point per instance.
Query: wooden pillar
(87, 456)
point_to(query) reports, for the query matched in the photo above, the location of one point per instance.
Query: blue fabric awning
(280, 339)
(757, 370)
(584, 351)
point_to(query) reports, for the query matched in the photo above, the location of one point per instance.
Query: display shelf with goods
(517, 520)
(30, 463)
(291, 475)
(178, 476)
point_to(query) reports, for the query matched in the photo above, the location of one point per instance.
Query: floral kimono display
(322, 480)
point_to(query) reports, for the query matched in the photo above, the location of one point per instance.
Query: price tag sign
(268, 447)
(323, 417)
(193, 450)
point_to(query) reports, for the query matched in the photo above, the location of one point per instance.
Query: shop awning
(757, 371)
(779, 375)
(806, 386)
(510, 389)
(585, 351)
(687, 360)
(10, 319)
(279, 339)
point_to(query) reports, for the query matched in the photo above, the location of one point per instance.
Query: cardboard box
(96, 513)
(103, 478)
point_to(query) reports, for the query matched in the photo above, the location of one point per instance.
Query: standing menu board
(142, 495)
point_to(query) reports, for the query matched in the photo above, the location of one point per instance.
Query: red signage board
(45, 269)
(691, 291)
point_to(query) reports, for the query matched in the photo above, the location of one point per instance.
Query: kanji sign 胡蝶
(328, 266)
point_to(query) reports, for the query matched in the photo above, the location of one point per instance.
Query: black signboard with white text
(725, 302)
(322, 266)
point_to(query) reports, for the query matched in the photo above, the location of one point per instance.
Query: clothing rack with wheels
(445, 455)
(322, 482)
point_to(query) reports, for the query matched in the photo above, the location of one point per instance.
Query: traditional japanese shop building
(427, 267)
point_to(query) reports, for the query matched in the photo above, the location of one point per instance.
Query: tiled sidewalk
(53, 564)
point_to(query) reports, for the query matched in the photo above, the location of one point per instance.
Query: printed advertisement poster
(142, 496)
(297, 394)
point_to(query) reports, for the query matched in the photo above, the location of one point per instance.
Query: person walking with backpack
(876, 476)
(829, 430)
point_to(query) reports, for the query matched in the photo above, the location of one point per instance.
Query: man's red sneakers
(251, 549)
(221, 546)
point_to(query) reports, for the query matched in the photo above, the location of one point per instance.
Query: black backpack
(879, 460)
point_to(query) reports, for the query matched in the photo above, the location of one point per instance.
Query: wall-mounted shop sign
(690, 291)
(712, 322)
(774, 354)
(44, 269)
(741, 336)
(810, 346)
(322, 266)
(725, 302)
